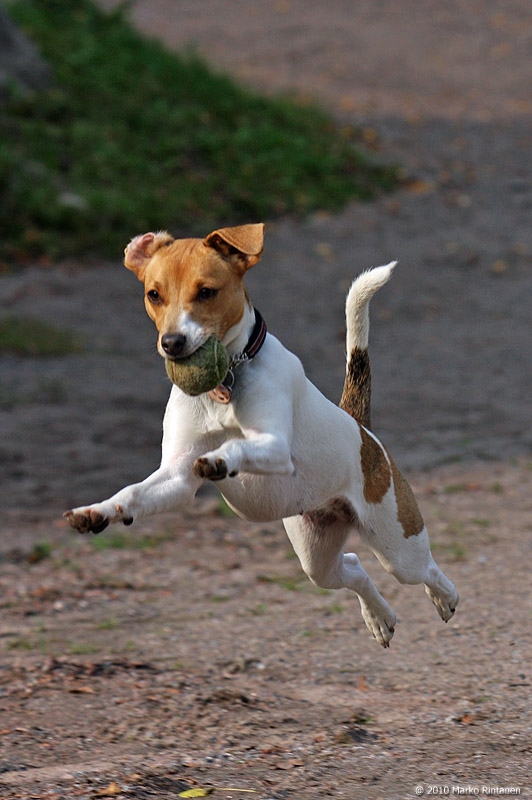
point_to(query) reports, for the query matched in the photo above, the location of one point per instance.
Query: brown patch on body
(356, 394)
(337, 510)
(408, 512)
(378, 476)
(375, 467)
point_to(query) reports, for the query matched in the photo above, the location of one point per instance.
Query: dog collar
(223, 392)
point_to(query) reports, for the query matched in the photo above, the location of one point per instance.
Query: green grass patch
(116, 540)
(108, 624)
(132, 137)
(291, 584)
(81, 648)
(33, 338)
(20, 643)
(223, 508)
(39, 552)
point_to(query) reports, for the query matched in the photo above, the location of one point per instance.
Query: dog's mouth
(189, 353)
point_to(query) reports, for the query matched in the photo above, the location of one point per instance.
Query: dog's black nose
(173, 344)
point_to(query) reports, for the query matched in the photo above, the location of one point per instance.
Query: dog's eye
(153, 296)
(206, 293)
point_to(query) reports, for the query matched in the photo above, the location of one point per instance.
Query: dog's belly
(261, 498)
(265, 498)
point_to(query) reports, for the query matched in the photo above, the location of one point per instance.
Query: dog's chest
(219, 416)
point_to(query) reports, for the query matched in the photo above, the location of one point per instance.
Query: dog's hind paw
(382, 627)
(445, 601)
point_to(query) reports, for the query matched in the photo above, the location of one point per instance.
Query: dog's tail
(356, 395)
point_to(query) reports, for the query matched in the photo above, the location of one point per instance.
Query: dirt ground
(190, 651)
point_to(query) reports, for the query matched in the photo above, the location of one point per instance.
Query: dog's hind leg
(410, 561)
(318, 539)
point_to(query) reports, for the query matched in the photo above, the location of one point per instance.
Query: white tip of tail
(356, 308)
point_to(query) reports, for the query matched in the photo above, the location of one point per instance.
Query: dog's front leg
(167, 489)
(264, 440)
(261, 454)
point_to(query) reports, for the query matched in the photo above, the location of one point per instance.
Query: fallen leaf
(499, 267)
(199, 791)
(290, 764)
(324, 250)
(418, 186)
(110, 791)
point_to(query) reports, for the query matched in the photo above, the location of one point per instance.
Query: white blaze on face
(194, 332)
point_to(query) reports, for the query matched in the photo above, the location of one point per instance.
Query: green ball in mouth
(202, 371)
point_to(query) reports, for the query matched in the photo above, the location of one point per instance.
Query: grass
(131, 137)
(81, 649)
(291, 584)
(116, 540)
(33, 338)
(108, 624)
(39, 552)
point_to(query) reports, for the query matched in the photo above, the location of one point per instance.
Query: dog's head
(194, 287)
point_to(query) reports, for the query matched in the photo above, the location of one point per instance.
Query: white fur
(290, 452)
(357, 304)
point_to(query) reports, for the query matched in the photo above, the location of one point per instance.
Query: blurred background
(359, 132)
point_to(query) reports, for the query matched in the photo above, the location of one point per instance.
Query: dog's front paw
(87, 521)
(96, 519)
(210, 469)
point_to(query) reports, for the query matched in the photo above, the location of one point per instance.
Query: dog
(278, 448)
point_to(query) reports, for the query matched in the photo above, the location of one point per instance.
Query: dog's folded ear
(140, 249)
(243, 245)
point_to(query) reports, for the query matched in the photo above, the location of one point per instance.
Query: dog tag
(221, 394)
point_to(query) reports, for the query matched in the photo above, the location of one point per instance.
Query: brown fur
(378, 476)
(339, 509)
(178, 269)
(377, 472)
(356, 395)
(408, 511)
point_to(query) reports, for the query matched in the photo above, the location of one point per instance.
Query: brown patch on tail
(356, 395)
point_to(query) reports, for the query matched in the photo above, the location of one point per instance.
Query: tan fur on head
(178, 272)
(243, 244)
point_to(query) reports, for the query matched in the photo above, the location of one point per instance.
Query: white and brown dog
(278, 447)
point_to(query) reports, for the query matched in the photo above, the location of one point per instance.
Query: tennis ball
(201, 371)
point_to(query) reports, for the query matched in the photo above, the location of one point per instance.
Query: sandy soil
(190, 650)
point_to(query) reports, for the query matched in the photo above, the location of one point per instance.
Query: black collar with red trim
(223, 392)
